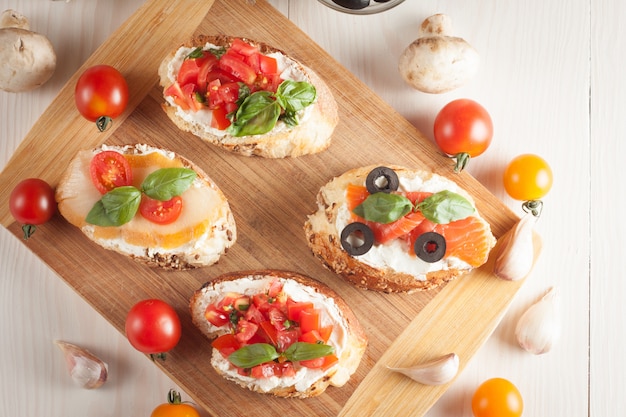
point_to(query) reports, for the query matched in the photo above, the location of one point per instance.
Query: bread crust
(208, 248)
(312, 135)
(337, 376)
(324, 241)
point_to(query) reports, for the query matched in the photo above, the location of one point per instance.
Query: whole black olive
(382, 179)
(353, 4)
(430, 247)
(357, 238)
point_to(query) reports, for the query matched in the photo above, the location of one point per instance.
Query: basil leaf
(445, 207)
(167, 183)
(196, 53)
(383, 207)
(218, 52)
(293, 96)
(257, 115)
(115, 208)
(253, 355)
(302, 351)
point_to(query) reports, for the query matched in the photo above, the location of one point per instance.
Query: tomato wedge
(109, 170)
(161, 212)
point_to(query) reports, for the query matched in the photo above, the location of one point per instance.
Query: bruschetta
(278, 332)
(393, 229)
(147, 203)
(247, 97)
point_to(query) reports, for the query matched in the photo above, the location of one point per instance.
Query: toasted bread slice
(393, 266)
(348, 337)
(311, 135)
(199, 237)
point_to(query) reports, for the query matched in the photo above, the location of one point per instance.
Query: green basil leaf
(383, 207)
(218, 52)
(294, 96)
(253, 355)
(196, 53)
(257, 115)
(302, 351)
(445, 207)
(290, 118)
(115, 208)
(167, 183)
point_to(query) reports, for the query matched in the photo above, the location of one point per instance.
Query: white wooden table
(552, 79)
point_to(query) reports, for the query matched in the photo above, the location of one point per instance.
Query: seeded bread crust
(338, 376)
(174, 259)
(324, 241)
(312, 135)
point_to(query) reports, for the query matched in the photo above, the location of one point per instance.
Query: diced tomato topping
(234, 64)
(254, 315)
(278, 319)
(269, 331)
(229, 299)
(265, 370)
(242, 47)
(309, 320)
(203, 74)
(276, 287)
(189, 70)
(329, 361)
(216, 316)
(226, 344)
(311, 337)
(268, 64)
(325, 332)
(294, 308)
(287, 369)
(245, 330)
(286, 338)
(313, 363)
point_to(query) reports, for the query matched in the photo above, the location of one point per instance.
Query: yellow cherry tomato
(497, 397)
(174, 407)
(527, 177)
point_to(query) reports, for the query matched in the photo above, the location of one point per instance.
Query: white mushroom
(437, 62)
(28, 58)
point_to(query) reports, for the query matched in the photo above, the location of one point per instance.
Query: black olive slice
(430, 247)
(382, 179)
(357, 238)
(353, 4)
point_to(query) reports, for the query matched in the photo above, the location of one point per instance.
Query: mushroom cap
(438, 64)
(28, 60)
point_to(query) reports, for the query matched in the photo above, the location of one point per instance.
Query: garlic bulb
(540, 326)
(516, 256)
(86, 369)
(437, 372)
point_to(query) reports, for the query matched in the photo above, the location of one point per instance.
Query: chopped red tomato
(254, 315)
(313, 363)
(312, 337)
(161, 212)
(190, 68)
(309, 320)
(269, 331)
(226, 344)
(216, 316)
(294, 308)
(278, 319)
(325, 332)
(109, 170)
(286, 338)
(276, 287)
(234, 64)
(245, 330)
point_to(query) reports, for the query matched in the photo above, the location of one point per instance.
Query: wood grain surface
(270, 200)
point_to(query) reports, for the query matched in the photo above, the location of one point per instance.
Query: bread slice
(391, 267)
(348, 337)
(311, 135)
(199, 237)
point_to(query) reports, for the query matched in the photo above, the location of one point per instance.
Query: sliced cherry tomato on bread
(109, 170)
(161, 212)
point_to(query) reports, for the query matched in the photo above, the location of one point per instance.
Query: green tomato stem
(28, 230)
(533, 206)
(462, 159)
(173, 397)
(103, 123)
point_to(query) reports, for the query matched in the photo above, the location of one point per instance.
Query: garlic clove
(516, 255)
(86, 369)
(436, 372)
(540, 326)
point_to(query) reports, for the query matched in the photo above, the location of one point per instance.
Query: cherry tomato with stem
(528, 178)
(497, 397)
(101, 94)
(153, 327)
(463, 129)
(32, 203)
(174, 407)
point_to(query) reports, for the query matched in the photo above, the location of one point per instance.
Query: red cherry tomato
(32, 203)
(109, 170)
(497, 397)
(153, 327)
(174, 407)
(161, 212)
(101, 94)
(463, 129)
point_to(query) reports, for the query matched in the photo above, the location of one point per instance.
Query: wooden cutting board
(270, 200)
